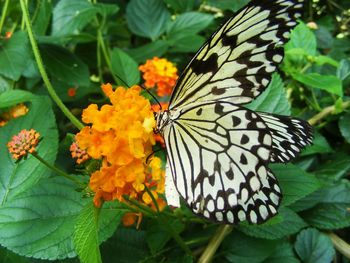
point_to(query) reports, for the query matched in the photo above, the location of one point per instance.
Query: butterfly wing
(218, 154)
(236, 63)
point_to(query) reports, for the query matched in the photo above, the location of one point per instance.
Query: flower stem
(3, 14)
(214, 243)
(42, 70)
(58, 171)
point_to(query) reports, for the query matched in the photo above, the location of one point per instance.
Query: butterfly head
(162, 119)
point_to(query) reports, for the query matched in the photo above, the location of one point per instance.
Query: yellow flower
(160, 73)
(121, 135)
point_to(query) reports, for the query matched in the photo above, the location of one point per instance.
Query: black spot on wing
(216, 91)
(219, 109)
(209, 65)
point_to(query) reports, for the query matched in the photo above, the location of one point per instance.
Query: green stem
(214, 243)
(58, 171)
(42, 70)
(325, 112)
(3, 14)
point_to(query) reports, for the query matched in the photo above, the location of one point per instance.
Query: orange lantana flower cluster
(14, 112)
(121, 135)
(23, 143)
(160, 73)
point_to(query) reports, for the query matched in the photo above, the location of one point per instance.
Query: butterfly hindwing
(236, 63)
(218, 154)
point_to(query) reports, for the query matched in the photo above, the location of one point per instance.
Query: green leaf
(283, 253)
(188, 24)
(273, 99)
(7, 256)
(294, 182)
(321, 60)
(302, 37)
(14, 53)
(148, 51)
(42, 20)
(329, 83)
(344, 69)
(312, 246)
(13, 97)
(324, 38)
(232, 5)
(181, 5)
(344, 126)
(107, 9)
(331, 211)
(147, 18)
(64, 65)
(17, 177)
(38, 222)
(238, 247)
(335, 167)
(71, 16)
(319, 145)
(85, 236)
(290, 224)
(182, 45)
(124, 67)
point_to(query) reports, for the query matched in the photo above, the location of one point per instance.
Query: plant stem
(340, 245)
(325, 112)
(3, 14)
(42, 70)
(214, 243)
(58, 171)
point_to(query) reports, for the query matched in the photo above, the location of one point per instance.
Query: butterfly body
(218, 151)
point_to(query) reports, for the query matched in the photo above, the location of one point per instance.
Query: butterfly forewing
(236, 63)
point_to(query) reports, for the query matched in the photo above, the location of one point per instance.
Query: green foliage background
(45, 218)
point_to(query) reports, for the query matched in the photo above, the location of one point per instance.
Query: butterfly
(218, 151)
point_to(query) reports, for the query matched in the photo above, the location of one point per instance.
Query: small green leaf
(324, 38)
(85, 236)
(124, 67)
(147, 18)
(148, 51)
(107, 9)
(64, 65)
(319, 145)
(39, 222)
(238, 247)
(181, 5)
(187, 24)
(321, 60)
(13, 97)
(290, 224)
(312, 246)
(181, 45)
(71, 16)
(41, 21)
(294, 182)
(344, 69)
(17, 177)
(344, 126)
(283, 253)
(329, 83)
(273, 99)
(302, 37)
(14, 53)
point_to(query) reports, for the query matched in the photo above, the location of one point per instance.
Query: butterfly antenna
(142, 87)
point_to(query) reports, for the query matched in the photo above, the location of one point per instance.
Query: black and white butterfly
(218, 151)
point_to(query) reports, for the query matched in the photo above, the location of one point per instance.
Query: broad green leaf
(85, 236)
(13, 97)
(238, 247)
(283, 253)
(14, 53)
(148, 51)
(329, 83)
(313, 247)
(39, 222)
(344, 126)
(331, 212)
(71, 16)
(232, 5)
(147, 18)
(5, 84)
(124, 67)
(188, 24)
(182, 45)
(17, 177)
(344, 69)
(42, 19)
(128, 245)
(273, 99)
(294, 182)
(319, 145)
(324, 38)
(181, 5)
(334, 168)
(290, 224)
(64, 65)
(302, 37)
